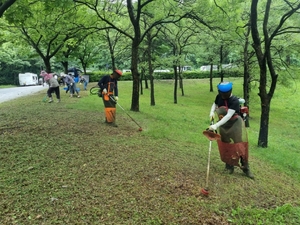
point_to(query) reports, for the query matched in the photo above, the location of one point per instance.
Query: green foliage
(67, 18)
(97, 75)
(15, 60)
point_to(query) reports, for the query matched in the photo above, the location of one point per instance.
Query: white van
(26, 79)
(207, 68)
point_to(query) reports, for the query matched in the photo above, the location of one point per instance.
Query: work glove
(116, 98)
(213, 127)
(104, 91)
(241, 101)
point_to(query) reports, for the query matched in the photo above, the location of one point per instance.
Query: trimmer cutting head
(205, 191)
(211, 135)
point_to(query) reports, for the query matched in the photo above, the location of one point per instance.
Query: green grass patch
(285, 214)
(7, 86)
(60, 164)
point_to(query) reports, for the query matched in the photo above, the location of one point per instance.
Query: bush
(97, 75)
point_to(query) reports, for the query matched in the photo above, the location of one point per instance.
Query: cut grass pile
(60, 164)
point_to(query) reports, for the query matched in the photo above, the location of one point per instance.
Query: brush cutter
(113, 99)
(96, 91)
(211, 135)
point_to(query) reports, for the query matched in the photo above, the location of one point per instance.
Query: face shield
(225, 95)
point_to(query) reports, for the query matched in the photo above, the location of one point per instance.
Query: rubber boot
(246, 169)
(112, 124)
(50, 100)
(229, 168)
(110, 115)
(248, 173)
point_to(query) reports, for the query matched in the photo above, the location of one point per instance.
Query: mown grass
(7, 86)
(61, 165)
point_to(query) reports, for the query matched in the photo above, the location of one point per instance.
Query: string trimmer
(113, 99)
(96, 91)
(211, 135)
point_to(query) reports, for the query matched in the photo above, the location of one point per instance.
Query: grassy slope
(61, 165)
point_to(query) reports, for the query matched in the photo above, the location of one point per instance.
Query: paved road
(7, 94)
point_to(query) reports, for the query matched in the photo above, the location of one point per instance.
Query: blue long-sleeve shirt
(68, 79)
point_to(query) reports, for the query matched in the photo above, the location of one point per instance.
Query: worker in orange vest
(109, 86)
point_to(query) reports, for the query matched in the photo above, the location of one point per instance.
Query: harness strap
(234, 115)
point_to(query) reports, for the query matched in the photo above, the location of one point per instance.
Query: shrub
(96, 75)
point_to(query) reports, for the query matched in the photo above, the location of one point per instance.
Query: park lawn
(60, 164)
(7, 86)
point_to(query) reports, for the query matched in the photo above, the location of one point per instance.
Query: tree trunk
(211, 89)
(265, 62)
(4, 5)
(246, 83)
(181, 84)
(176, 83)
(111, 50)
(211, 77)
(65, 66)
(141, 82)
(135, 76)
(220, 68)
(83, 64)
(47, 64)
(150, 69)
(264, 123)
(152, 98)
(146, 80)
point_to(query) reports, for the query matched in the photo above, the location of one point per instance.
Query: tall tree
(179, 36)
(263, 49)
(88, 52)
(109, 12)
(46, 26)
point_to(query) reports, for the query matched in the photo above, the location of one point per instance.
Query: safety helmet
(119, 72)
(225, 86)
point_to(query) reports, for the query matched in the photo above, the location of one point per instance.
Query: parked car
(27, 78)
